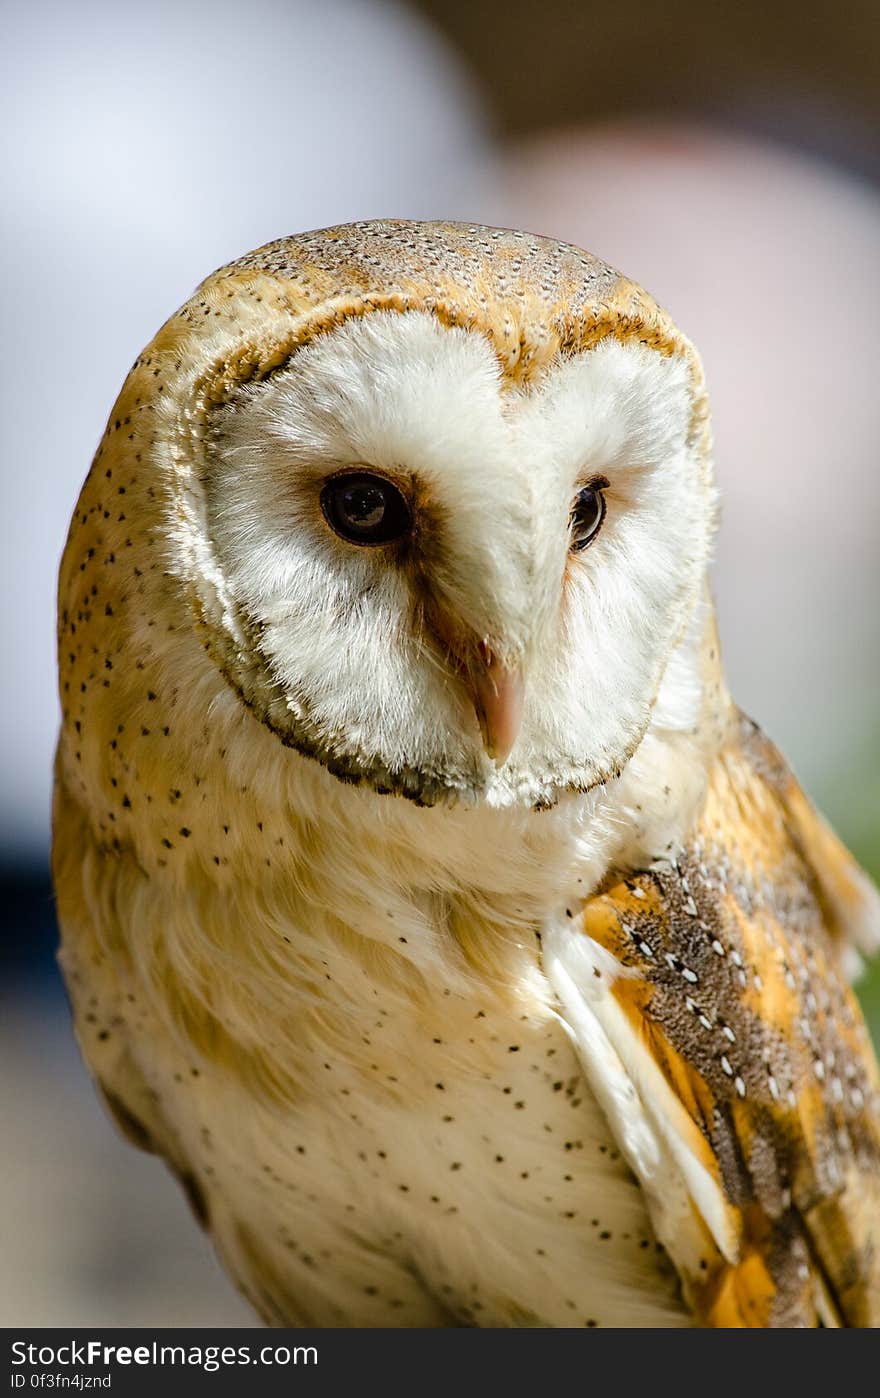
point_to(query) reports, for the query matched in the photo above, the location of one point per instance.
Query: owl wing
(709, 1005)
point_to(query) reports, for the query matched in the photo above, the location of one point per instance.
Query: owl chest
(464, 1177)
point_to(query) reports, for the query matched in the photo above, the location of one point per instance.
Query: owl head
(439, 500)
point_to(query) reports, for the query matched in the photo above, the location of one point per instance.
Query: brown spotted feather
(733, 984)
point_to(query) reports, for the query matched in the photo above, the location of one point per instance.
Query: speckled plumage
(730, 975)
(365, 1069)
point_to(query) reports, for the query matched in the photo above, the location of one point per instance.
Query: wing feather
(719, 983)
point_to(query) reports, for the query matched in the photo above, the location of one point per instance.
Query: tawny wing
(709, 1002)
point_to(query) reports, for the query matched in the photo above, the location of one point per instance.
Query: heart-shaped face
(455, 586)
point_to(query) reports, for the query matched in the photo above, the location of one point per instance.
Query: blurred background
(726, 156)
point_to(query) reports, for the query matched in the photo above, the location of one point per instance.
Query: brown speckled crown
(534, 298)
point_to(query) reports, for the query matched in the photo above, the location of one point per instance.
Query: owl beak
(497, 691)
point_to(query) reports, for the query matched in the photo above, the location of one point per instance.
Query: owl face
(450, 586)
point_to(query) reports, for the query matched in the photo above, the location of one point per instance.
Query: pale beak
(497, 691)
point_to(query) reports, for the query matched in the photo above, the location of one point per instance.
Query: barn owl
(425, 900)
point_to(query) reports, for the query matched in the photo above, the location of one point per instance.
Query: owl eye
(587, 515)
(365, 509)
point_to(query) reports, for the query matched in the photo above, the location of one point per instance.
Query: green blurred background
(726, 156)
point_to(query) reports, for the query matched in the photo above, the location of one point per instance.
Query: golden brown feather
(736, 991)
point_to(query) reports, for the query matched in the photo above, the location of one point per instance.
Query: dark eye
(365, 509)
(587, 516)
